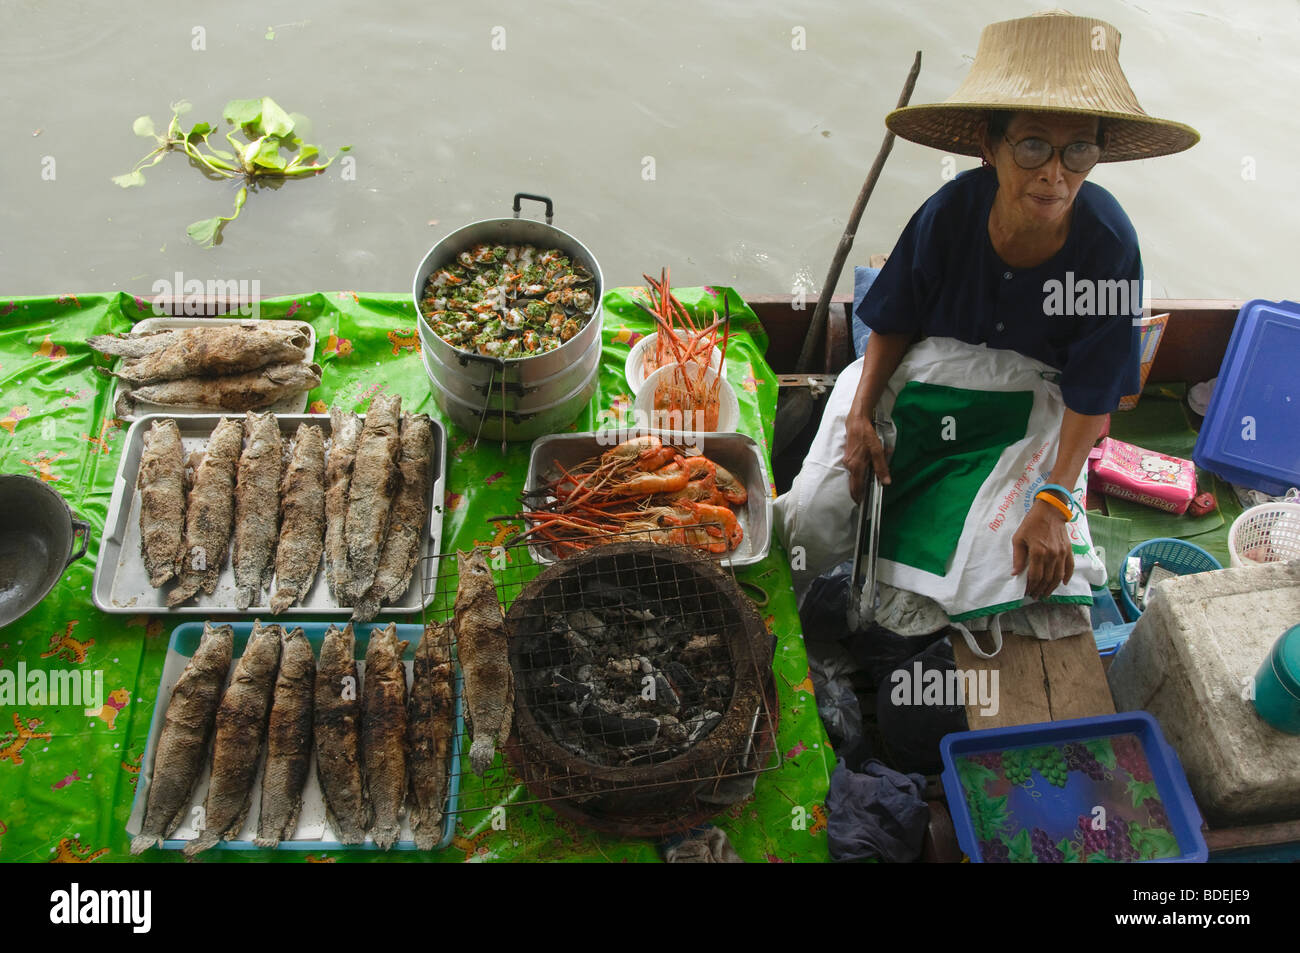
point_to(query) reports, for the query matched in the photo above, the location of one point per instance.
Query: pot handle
(82, 527)
(550, 206)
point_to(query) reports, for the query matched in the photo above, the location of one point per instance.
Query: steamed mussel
(509, 301)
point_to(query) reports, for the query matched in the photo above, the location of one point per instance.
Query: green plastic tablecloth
(67, 779)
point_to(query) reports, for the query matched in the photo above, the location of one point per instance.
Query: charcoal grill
(644, 700)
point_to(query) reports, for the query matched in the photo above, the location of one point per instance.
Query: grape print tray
(1093, 790)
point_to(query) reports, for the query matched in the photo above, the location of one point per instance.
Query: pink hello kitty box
(1143, 476)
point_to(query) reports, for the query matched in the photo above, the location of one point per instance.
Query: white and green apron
(975, 433)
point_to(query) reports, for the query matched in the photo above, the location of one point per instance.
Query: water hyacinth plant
(270, 149)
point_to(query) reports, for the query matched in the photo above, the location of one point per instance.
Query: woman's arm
(863, 450)
(1041, 546)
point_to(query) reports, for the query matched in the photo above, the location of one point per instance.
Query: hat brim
(957, 127)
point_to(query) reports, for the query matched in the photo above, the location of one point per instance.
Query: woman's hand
(863, 453)
(1041, 549)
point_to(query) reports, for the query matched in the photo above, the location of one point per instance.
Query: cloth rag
(708, 845)
(876, 813)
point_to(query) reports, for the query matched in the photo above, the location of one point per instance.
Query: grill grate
(644, 699)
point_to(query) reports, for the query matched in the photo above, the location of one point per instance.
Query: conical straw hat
(1050, 62)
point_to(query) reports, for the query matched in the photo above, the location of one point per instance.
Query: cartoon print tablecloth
(67, 779)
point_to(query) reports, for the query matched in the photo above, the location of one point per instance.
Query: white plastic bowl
(634, 370)
(728, 406)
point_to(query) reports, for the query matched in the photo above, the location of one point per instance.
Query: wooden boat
(1194, 343)
(1191, 350)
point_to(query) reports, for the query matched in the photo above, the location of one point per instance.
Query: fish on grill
(337, 722)
(209, 514)
(370, 496)
(430, 723)
(383, 733)
(345, 430)
(484, 658)
(302, 529)
(203, 351)
(288, 741)
(183, 742)
(257, 507)
(162, 501)
(237, 742)
(410, 511)
(248, 390)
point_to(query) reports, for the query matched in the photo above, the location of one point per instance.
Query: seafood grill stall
(69, 769)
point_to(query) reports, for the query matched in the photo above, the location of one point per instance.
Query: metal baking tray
(735, 451)
(313, 832)
(121, 584)
(290, 405)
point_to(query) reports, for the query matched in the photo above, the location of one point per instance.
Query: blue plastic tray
(184, 642)
(1184, 819)
(1250, 431)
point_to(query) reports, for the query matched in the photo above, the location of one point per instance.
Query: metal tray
(290, 405)
(735, 451)
(313, 831)
(121, 584)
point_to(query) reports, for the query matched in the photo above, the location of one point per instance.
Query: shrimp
(629, 451)
(666, 479)
(732, 490)
(728, 533)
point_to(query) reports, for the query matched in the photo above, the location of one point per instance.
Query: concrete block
(1191, 662)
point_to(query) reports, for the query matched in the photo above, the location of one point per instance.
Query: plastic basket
(1267, 533)
(1176, 555)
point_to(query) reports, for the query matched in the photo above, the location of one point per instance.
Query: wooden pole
(816, 329)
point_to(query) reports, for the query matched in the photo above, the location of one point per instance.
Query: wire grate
(643, 686)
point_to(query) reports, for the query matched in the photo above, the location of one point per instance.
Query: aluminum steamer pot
(37, 535)
(516, 398)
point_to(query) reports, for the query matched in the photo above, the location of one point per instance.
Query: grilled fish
(370, 496)
(430, 723)
(257, 507)
(337, 722)
(484, 658)
(410, 511)
(209, 513)
(346, 428)
(249, 390)
(162, 501)
(203, 352)
(237, 743)
(302, 531)
(383, 733)
(288, 741)
(183, 743)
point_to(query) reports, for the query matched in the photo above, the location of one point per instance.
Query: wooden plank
(1022, 687)
(839, 338)
(1258, 835)
(1194, 341)
(1076, 681)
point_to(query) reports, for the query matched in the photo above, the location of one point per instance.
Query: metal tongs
(862, 584)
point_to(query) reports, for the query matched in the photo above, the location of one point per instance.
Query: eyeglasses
(1033, 153)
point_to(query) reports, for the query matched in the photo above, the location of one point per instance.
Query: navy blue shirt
(1074, 312)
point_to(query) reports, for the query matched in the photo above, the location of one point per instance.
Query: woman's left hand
(1041, 549)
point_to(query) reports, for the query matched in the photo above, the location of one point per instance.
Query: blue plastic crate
(1251, 433)
(1110, 638)
(1057, 809)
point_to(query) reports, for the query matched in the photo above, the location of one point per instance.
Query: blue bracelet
(1069, 497)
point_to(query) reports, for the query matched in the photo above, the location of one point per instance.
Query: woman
(969, 315)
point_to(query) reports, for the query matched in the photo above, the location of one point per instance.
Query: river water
(692, 135)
